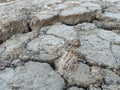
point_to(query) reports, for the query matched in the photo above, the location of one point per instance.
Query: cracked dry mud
(59, 45)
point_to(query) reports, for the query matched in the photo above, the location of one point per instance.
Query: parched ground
(59, 44)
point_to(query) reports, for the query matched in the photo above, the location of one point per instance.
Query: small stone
(16, 63)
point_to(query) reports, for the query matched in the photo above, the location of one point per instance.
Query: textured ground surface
(59, 45)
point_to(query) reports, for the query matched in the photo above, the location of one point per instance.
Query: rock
(44, 57)
(91, 5)
(37, 76)
(75, 15)
(52, 2)
(31, 46)
(15, 48)
(81, 76)
(75, 88)
(110, 36)
(16, 16)
(3, 85)
(111, 77)
(12, 21)
(94, 88)
(107, 25)
(47, 47)
(63, 31)
(16, 63)
(42, 19)
(110, 0)
(116, 51)
(6, 74)
(62, 6)
(52, 42)
(13, 27)
(94, 47)
(111, 87)
(85, 29)
(112, 15)
(96, 43)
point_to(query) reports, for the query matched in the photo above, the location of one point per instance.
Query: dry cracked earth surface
(59, 44)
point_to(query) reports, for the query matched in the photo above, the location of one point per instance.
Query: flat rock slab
(97, 43)
(97, 48)
(44, 18)
(63, 31)
(37, 76)
(74, 15)
(81, 76)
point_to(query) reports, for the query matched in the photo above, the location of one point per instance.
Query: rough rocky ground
(59, 45)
